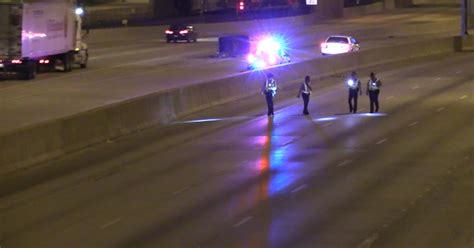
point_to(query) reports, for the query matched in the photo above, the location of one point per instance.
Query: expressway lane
(397, 179)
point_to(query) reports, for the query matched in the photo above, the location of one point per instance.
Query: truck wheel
(68, 61)
(28, 72)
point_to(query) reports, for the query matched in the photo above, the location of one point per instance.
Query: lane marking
(413, 124)
(458, 72)
(301, 187)
(368, 242)
(415, 87)
(345, 162)
(113, 222)
(440, 109)
(328, 124)
(437, 79)
(381, 141)
(181, 190)
(462, 97)
(243, 221)
(390, 97)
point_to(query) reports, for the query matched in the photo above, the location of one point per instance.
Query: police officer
(305, 91)
(354, 85)
(373, 90)
(269, 90)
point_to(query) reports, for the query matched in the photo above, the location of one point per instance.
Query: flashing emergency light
(79, 11)
(251, 58)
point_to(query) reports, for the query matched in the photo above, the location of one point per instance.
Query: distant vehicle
(40, 35)
(338, 44)
(181, 32)
(269, 52)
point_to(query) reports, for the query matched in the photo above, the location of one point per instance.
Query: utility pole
(464, 17)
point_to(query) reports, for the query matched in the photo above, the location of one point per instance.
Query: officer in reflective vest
(354, 85)
(373, 90)
(269, 90)
(305, 91)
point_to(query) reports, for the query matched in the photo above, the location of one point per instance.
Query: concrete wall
(364, 10)
(30, 145)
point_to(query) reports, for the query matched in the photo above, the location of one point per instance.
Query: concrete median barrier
(27, 146)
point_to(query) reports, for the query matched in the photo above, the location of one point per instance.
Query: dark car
(181, 32)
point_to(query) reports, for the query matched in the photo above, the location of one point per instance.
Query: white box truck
(37, 35)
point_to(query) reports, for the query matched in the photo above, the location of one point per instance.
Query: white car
(337, 44)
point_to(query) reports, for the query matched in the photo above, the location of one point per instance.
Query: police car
(338, 44)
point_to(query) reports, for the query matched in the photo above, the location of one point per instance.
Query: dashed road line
(437, 79)
(108, 224)
(415, 87)
(458, 72)
(413, 123)
(181, 190)
(381, 141)
(390, 97)
(440, 109)
(462, 97)
(368, 242)
(243, 221)
(301, 187)
(345, 162)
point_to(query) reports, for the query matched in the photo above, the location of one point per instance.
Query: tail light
(241, 6)
(169, 32)
(44, 61)
(183, 31)
(16, 61)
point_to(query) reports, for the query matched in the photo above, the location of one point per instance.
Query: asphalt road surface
(232, 177)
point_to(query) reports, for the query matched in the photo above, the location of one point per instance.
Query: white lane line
(413, 124)
(243, 221)
(390, 97)
(415, 87)
(328, 124)
(437, 79)
(440, 109)
(301, 187)
(462, 97)
(108, 224)
(458, 72)
(381, 141)
(345, 162)
(368, 242)
(181, 190)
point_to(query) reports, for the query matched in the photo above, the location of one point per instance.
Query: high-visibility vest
(374, 85)
(355, 84)
(306, 89)
(270, 85)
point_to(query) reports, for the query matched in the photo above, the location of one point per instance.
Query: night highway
(168, 145)
(232, 177)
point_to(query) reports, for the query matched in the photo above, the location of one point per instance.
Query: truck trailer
(40, 35)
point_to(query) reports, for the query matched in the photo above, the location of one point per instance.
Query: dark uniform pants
(353, 95)
(269, 97)
(305, 102)
(374, 100)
